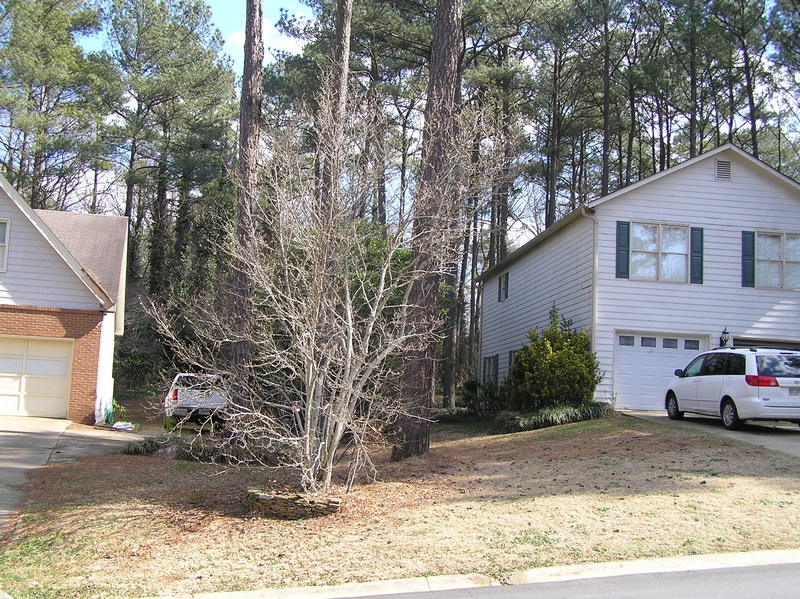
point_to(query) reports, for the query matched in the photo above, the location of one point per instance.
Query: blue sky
(229, 17)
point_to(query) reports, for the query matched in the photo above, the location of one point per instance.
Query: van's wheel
(730, 417)
(673, 410)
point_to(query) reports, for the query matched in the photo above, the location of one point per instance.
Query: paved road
(779, 581)
(783, 437)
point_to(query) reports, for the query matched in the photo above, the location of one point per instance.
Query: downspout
(479, 332)
(590, 214)
(104, 391)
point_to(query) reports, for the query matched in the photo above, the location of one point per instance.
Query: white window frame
(660, 254)
(782, 262)
(4, 245)
(502, 287)
(491, 365)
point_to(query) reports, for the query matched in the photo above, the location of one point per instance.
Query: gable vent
(724, 170)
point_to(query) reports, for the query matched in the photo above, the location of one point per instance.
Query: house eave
(775, 174)
(106, 303)
(582, 212)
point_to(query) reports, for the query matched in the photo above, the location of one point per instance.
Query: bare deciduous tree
(318, 389)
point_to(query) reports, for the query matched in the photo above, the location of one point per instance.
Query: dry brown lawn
(618, 488)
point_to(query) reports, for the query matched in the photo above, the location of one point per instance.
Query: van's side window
(735, 364)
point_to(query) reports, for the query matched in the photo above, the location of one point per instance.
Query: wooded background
(569, 101)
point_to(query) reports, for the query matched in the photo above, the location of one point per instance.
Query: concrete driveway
(27, 443)
(783, 437)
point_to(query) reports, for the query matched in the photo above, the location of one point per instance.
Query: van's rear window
(780, 365)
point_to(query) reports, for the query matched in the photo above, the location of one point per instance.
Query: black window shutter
(623, 249)
(748, 259)
(696, 259)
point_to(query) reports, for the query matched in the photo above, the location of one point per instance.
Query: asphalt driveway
(783, 437)
(27, 443)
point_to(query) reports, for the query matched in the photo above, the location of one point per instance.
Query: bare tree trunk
(606, 150)
(332, 132)
(430, 215)
(249, 133)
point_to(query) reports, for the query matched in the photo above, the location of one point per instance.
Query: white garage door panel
(10, 383)
(46, 367)
(46, 387)
(642, 372)
(49, 349)
(34, 377)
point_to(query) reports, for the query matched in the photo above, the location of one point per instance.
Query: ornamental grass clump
(515, 422)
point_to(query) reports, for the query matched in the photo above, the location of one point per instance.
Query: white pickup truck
(196, 397)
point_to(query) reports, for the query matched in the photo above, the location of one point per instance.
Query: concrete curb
(376, 588)
(538, 575)
(658, 565)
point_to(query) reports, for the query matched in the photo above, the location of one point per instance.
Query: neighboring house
(657, 271)
(62, 289)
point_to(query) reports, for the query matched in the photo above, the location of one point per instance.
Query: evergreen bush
(556, 368)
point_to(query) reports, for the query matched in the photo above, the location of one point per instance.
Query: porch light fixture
(724, 337)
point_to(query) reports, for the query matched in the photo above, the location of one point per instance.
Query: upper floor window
(502, 288)
(778, 260)
(659, 252)
(4, 227)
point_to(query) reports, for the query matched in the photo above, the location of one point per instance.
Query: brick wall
(80, 325)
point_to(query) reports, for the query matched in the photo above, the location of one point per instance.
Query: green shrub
(480, 399)
(514, 422)
(556, 368)
(455, 414)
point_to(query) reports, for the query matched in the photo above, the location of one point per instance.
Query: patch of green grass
(538, 538)
(581, 530)
(27, 569)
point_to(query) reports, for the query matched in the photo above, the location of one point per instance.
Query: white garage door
(644, 363)
(34, 377)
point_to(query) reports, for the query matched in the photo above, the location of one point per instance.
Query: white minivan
(738, 384)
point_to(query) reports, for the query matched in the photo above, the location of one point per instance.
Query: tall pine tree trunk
(249, 133)
(430, 214)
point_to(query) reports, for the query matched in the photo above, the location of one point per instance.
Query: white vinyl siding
(559, 271)
(752, 200)
(35, 275)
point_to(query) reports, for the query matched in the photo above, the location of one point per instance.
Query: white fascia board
(106, 303)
